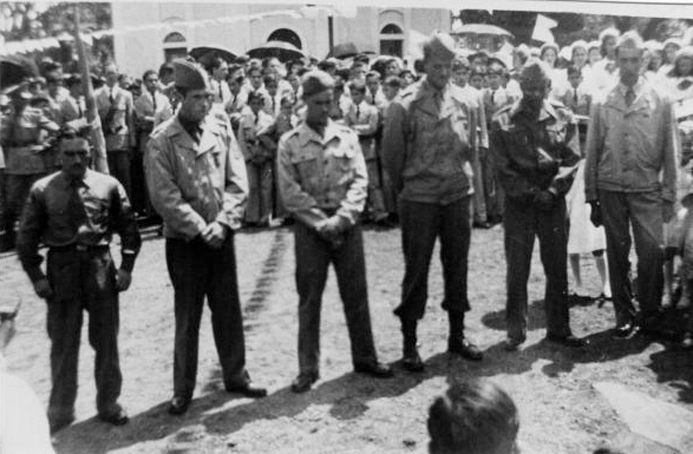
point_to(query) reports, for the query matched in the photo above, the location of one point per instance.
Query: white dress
(583, 236)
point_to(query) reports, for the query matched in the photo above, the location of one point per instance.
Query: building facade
(151, 33)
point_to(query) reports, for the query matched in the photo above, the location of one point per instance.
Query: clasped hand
(214, 235)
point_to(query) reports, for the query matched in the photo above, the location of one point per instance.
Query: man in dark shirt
(75, 212)
(535, 151)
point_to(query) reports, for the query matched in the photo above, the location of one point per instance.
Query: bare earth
(561, 412)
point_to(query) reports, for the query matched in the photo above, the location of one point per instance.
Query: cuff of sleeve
(35, 273)
(128, 262)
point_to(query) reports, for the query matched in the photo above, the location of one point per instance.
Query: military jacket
(427, 144)
(322, 175)
(532, 155)
(192, 184)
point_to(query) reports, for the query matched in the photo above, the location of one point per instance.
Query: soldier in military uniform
(428, 147)
(197, 183)
(534, 145)
(323, 181)
(24, 141)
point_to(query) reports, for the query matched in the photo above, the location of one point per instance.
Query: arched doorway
(391, 40)
(175, 46)
(286, 35)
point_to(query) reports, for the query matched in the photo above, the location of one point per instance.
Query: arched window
(175, 46)
(286, 35)
(391, 40)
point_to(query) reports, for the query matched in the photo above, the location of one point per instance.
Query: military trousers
(643, 212)
(198, 271)
(82, 279)
(313, 258)
(523, 223)
(422, 224)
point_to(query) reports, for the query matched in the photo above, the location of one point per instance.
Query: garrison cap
(439, 45)
(315, 82)
(190, 75)
(535, 69)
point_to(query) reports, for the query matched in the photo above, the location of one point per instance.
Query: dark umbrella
(207, 51)
(282, 50)
(344, 50)
(14, 69)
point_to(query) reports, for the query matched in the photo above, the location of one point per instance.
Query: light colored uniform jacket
(193, 184)
(320, 176)
(631, 149)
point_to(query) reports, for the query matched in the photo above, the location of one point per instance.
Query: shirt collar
(84, 181)
(637, 88)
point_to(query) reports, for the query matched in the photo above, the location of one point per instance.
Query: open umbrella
(282, 50)
(207, 51)
(344, 50)
(16, 68)
(481, 29)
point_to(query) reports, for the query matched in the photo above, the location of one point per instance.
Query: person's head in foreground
(473, 417)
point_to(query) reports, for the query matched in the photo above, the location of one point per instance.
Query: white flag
(542, 29)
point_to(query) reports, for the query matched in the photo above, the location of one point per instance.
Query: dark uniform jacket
(534, 155)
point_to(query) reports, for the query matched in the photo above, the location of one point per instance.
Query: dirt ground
(561, 412)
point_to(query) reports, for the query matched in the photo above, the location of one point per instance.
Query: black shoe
(117, 417)
(412, 362)
(464, 348)
(179, 405)
(58, 423)
(567, 341)
(248, 390)
(376, 369)
(303, 382)
(625, 330)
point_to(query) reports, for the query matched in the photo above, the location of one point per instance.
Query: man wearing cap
(630, 180)
(197, 183)
(24, 136)
(75, 212)
(535, 150)
(323, 181)
(428, 147)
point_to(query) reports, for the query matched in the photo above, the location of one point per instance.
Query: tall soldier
(197, 183)
(323, 181)
(534, 145)
(630, 181)
(428, 147)
(75, 212)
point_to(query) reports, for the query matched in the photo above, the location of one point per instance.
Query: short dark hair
(70, 131)
(474, 417)
(165, 70)
(148, 73)
(573, 69)
(256, 95)
(393, 81)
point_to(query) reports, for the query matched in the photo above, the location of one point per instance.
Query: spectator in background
(165, 75)
(116, 110)
(473, 417)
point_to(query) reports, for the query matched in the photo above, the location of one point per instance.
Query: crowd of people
(585, 149)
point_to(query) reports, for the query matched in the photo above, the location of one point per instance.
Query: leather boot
(410, 355)
(457, 343)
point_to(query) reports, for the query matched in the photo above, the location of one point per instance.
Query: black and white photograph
(346, 227)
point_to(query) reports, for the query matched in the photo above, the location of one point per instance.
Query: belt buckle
(82, 247)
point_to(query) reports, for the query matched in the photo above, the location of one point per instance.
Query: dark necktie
(80, 111)
(493, 97)
(111, 98)
(358, 112)
(630, 96)
(154, 100)
(221, 93)
(575, 96)
(274, 104)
